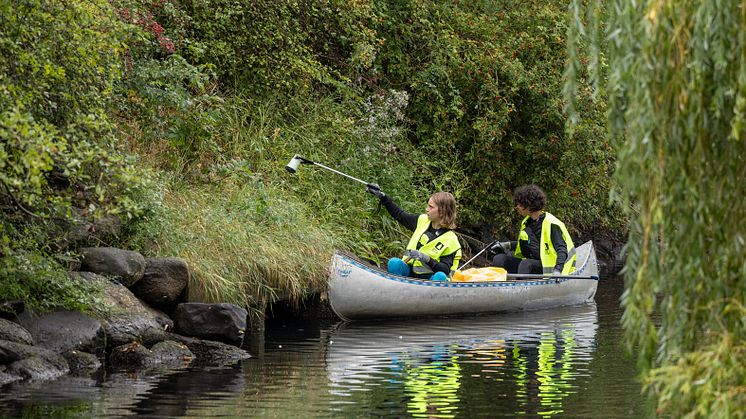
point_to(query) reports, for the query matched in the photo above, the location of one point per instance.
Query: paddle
(475, 256)
(550, 276)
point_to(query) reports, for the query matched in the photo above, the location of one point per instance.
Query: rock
(32, 362)
(163, 281)
(40, 368)
(6, 378)
(211, 352)
(82, 363)
(124, 317)
(14, 332)
(135, 356)
(172, 354)
(63, 330)
(221, 322)
(14, 351)
(131, 356)
(125, 265)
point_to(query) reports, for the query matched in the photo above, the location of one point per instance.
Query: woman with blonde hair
(433, 251)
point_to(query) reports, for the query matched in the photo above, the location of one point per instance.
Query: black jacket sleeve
(404, 218)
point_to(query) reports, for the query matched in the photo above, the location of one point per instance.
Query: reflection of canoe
(358, 290)
(365, 349)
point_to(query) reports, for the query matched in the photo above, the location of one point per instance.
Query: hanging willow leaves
(676, 89)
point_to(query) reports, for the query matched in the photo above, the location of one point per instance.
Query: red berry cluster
(148, 22)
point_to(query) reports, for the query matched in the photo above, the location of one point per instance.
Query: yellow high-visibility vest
(445, 244)
(547, 251)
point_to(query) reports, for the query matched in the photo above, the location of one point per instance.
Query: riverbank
(123, 331)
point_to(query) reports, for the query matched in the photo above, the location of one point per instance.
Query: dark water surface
(567, 362)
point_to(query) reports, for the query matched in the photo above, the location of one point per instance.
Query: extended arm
(404, 218)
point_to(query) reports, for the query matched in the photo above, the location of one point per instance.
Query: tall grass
(250, 231)
(245, 243)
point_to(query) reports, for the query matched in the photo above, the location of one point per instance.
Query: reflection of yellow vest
(433, 389)
(443, 245)
(554, 380)
(547, 251)
(553, 375)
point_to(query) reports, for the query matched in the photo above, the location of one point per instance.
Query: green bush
(60, 66)
(59, 158)
(32, 274)
(485, 81)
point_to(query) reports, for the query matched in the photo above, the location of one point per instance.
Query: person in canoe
(544, 246)
(433, 251)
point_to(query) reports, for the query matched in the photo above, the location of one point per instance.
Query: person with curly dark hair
(544, 246)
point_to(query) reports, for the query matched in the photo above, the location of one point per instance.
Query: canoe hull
(360, 291)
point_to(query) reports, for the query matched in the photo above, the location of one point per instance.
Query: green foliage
(59, 63)
(417, 96)
(264, 47)
(36, 277)
(252, 231)
(485, 82)
(677, 96)
(706, 382)
(59, 68)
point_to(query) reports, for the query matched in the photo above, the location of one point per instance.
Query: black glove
(374, 189)
(500, 247)
(417, 255)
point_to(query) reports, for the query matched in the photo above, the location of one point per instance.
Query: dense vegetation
(177, 118)
(677, 96)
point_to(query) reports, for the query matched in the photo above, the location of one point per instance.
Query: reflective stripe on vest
(547, 252)
(445, 244)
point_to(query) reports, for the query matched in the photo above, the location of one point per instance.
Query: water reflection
(155, 393)
(177, 394)
(567, 362)
(532, 361)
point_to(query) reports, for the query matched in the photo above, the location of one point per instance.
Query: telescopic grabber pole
(292, 167)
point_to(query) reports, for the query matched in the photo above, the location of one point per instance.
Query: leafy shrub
(35, 276)
(60, 62)
(59, 70)
(485, 82)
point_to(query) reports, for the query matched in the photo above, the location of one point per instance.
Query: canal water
(567, 362)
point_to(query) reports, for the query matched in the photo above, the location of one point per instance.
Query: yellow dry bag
(480, 274)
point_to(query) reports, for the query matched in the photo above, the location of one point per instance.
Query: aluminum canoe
(358, 290)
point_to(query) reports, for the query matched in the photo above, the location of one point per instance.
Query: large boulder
(13, 351)
(6, 378)
(163, 281)
(124, 317)
(222, 322)
(125, 266)
(82, 363)
(14, 332)
(40, 367)
(63, 330)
